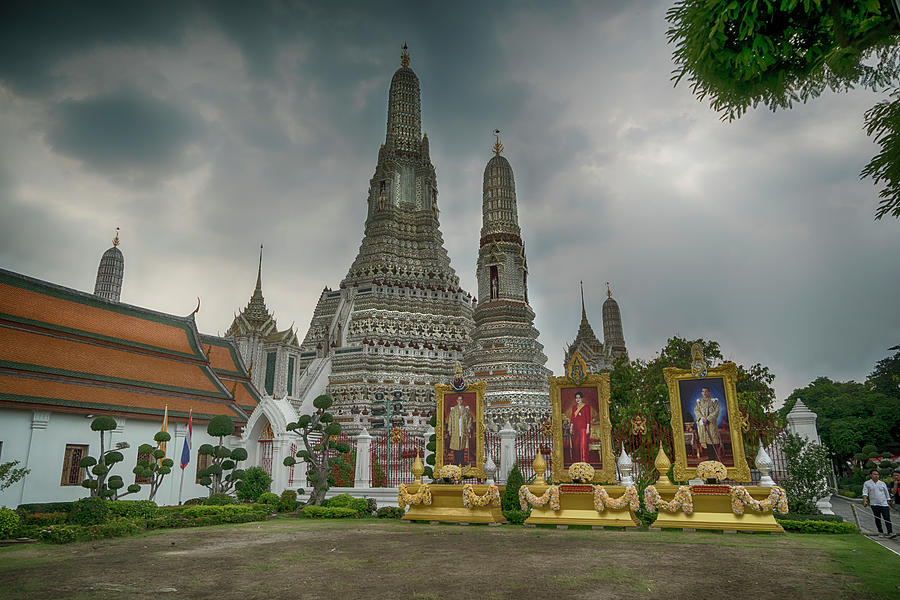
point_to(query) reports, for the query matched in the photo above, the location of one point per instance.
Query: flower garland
(581, 471)
(450, 472)
(423, 496)
(603, 500)
(473, 500)
(551, 495)
(712, 469)
(777, 501)
(683, 500)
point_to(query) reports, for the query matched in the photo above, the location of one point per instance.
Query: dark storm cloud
(206, 128)
(123, 131)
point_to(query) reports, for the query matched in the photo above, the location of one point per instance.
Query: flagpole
(181, 486)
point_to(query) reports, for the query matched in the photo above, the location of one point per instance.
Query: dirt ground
(297, 558)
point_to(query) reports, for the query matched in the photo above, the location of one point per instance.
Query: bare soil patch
(296, 558)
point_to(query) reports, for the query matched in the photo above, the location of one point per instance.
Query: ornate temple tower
(599, 356)
(613, 338)
(504, 350)
(271, 356)
(399, 320)
(110, 273)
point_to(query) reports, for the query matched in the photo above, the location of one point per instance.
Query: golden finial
(418, 469)
(539, 465)
(116, 239)
(498, 147)
(404, 58)
(662, 464)
(608, 291)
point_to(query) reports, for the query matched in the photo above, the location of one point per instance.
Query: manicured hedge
(817, 526)
(813, 517)
(360, 505)
(63, 534)
(136, 509)
(328, 512)
(390, 512)
(176, 521)
(44, 507)
(45, 519)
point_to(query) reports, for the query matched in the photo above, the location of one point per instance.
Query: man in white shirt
(875, 494)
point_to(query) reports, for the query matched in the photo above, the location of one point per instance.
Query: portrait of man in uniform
(459, 424)
(707, 434)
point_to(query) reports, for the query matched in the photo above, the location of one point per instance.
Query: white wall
(38, 440)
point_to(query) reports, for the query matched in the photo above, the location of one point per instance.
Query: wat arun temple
(399, 322)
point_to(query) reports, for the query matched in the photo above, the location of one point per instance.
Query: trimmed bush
(269, 499)
(360, 505)
(373, 505)
(390, 512)
(228, 509)
(288, 501)
(219, 500)
(817, 526)
(63, 534)
(515, 516)
(44, 507)
(9, 523)
(195, 501)
(328, 512)
(135, 509)
(510, 499)
(44, 519)
(813, 517)
(92, 510)
(256, 481)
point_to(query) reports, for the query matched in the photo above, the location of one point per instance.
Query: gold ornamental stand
(447, 506)
(576, 504)
(712, 506)
(447, 502)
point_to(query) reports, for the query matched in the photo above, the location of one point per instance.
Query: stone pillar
(507, 451)
(363, 477)
(802, 421)
(39, 421)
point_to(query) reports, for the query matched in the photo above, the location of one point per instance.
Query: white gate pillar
(507, 451)
(802, 421)
(363, 476)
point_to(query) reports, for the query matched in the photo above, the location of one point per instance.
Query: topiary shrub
(9, 523)
(195, 501)
(256, 481)
(134, 509)
(89, 511)
(158, 466)
(222, 474)
(817, 526)
(390, 512)
(98, 469)
(315, 451)
(288, 501)
(328, 512)
(373, 505)
(219, 499)
(360, 505)
(269, 499)
(509, 503)
(44, 507)
(44, 519)
(516, 516)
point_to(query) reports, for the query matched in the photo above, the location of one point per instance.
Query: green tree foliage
(856, 421)
(316, 432)
(740, 54)
(10, 474)
(256, 483)
(9, 523)
(158, 466)
(807, 466)
(99, 481)
(638, 388)
(222, 474)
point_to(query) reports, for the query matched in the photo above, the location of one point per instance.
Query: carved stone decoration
(625, 465)
(764, 464)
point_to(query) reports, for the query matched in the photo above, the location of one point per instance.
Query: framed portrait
(459, 434)
(706, 421)
(581, 427)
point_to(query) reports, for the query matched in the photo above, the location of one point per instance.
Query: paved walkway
(853, 511)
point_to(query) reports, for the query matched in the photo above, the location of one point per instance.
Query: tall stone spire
(586, 343)
(505, 351)
(399, 320)
(613, 338)
(110, 272)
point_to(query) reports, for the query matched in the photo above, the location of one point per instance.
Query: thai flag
(186, 449)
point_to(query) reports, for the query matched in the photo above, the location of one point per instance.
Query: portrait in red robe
(581, 428)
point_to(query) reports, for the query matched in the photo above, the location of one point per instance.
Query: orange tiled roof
(223, 356)
(24, 299)
(31, 351)
(61, 347)
(25, 390)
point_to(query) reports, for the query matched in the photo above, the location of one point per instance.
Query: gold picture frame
(676, 379)
(441, 390)
(607, 472)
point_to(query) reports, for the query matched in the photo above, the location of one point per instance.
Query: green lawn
(299, 558)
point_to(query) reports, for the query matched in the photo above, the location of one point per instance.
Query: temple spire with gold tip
(613, 338)
(498, 147)
(110, 272)
(404, 57)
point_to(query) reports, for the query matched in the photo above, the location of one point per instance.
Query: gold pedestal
(713, 511)
(447, 505)
(576, 507)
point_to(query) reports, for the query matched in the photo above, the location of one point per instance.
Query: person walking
(875, 494)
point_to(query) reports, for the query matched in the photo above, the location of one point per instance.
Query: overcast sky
(203, 130)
